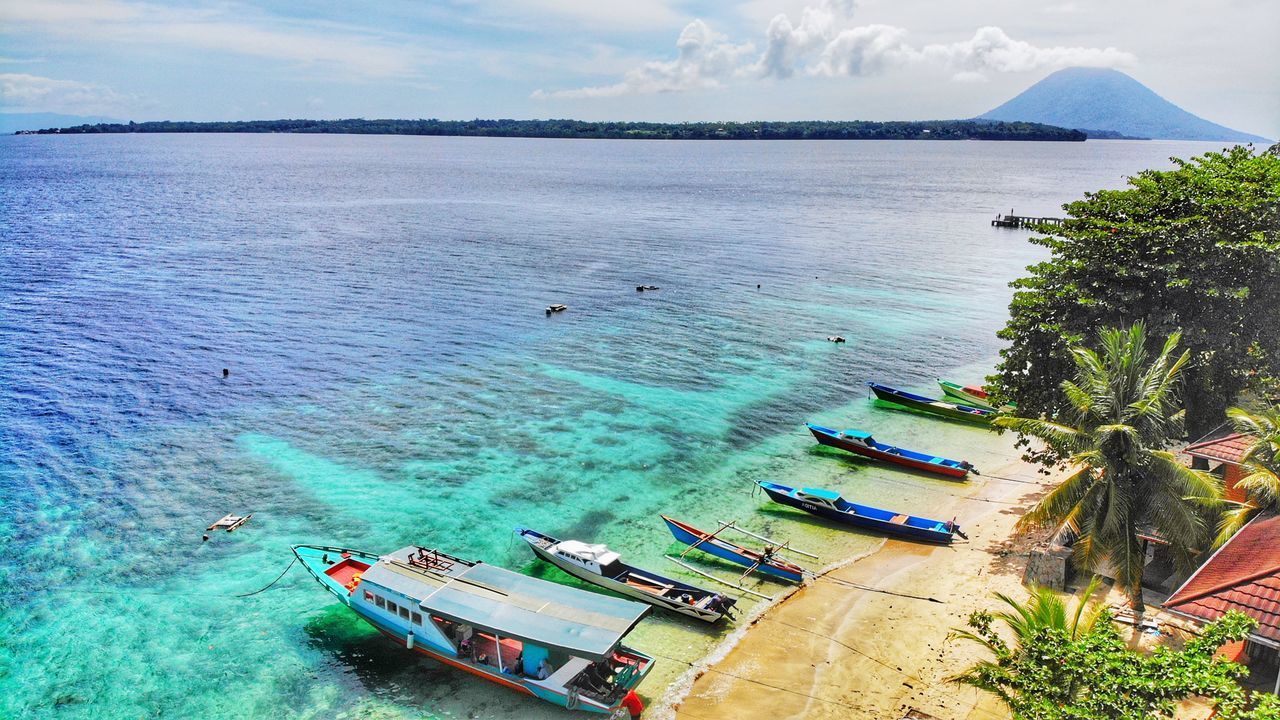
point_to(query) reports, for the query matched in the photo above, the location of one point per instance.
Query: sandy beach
(833, 650)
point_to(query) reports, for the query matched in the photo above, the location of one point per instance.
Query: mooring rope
(273, 582)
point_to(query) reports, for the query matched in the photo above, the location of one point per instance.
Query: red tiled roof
(1228, 448)
(1243, 575)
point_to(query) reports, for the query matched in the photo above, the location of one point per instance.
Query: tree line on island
(800, 130)
(1155, 321)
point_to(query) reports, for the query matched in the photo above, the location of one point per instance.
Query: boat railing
(429, 559)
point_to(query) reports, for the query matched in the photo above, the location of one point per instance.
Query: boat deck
(344, 572)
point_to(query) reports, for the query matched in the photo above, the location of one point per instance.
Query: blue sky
(638, 60)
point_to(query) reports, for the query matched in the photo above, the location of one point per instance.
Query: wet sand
(832, 650)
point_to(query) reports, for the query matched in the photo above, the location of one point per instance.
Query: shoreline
(817, 640)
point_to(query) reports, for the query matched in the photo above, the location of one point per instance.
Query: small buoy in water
(225, 372)
(757, 286)
(836, 338)
(204, 538)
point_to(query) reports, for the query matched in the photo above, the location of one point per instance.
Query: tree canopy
(1194, 249)
(798, 130)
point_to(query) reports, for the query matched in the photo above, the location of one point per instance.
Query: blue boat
(861, 443)
(766, 561)
(934, 406)
(828, 504)
(556, 643)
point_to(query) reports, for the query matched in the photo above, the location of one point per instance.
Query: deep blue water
(393, 379)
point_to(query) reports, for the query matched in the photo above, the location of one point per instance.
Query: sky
(660, 60)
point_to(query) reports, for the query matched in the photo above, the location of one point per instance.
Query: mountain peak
(1106, 100)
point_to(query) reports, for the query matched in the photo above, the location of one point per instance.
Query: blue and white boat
(557, 643)
(830, 505)
(766, 561)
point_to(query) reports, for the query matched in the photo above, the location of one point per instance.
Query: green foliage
(1058, 670)
(1119, 414)
(1195, 249)
(805, 130)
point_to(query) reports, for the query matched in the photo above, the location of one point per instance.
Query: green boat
(971, 395)
(911, 401)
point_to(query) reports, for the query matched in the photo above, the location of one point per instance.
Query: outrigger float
(861, 443)
(599, 565)
(768, 561)
(556, 643)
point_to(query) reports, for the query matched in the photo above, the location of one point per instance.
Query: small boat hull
(933, 406)
(863, 444)
(829, 505)
(672, 589)
(725, 550)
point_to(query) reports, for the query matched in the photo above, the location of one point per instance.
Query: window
(378, 599)
(391, 607)
(404, 612)
(417, 618)
(368, 596)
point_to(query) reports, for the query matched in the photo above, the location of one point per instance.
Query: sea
(392, 378)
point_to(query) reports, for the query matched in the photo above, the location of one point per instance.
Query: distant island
(803, 130)
(1108, 104)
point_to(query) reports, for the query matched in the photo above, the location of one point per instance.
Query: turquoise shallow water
(393, 379)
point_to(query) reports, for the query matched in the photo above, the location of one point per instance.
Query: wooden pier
(1023, 221)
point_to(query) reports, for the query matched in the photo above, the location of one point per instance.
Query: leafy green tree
(1120, 413)
(1195, 249)
(1261, 463)
(1058, 667)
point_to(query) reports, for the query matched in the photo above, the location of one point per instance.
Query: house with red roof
(1223, 454)
(1244, 575)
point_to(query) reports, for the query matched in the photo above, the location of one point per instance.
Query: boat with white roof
(599, 565)
(557, 643)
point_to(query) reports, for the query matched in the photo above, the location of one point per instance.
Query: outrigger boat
(861, 443)
(554, 642)
(912, 401)
(970, 394)
(828, 504)
(599, 565)
(767, 561)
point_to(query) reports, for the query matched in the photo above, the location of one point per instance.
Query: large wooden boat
(601, 566)
(557, 643)
(861, 443)
(912, 401)
(766, 561)
(828, 504)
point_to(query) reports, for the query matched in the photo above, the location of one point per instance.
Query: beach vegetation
(1194, 249)
(1049, 663)
(1119, 416)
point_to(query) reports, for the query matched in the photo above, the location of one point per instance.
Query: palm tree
(1261, 463)
(1044, 610)
(1121, 414)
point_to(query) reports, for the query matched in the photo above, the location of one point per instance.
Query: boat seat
(899, 519)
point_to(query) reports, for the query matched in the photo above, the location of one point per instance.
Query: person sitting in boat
(544, 669)
(686, 598)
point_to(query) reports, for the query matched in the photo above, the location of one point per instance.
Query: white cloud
(787, 42)
(865, 50)
(350, 50)
(990, 49)
(20, 92)
(704, 60)
(826, 43)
